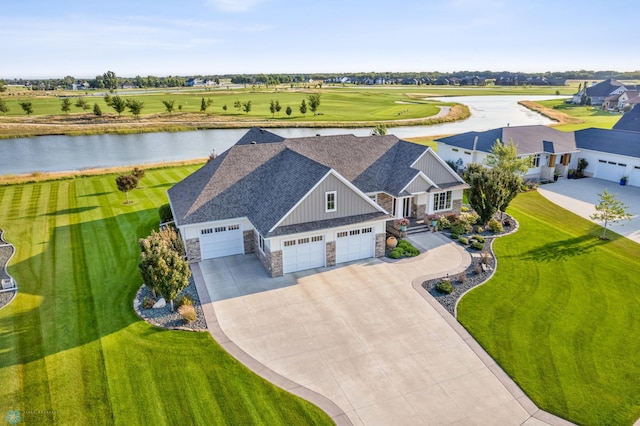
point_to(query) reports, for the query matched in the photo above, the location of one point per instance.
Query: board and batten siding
(419, 184)
(437, 172)
(312, 208)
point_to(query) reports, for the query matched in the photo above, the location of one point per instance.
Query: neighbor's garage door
(303, 253)
(355, 244)
(634, 176)
(609, 170)
(221, 241)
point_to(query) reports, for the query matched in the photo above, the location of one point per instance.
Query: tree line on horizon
(110, 81)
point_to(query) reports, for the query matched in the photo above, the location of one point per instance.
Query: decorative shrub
(188, 313)
(495, 226)
(164, 211)
(433, 217)
(444, 286)
(477, 269)
(462, 277)
(464, 209)
(470, 217)
(461, 226)
(444, 223)
(185, 300)
(478, 238)
(506, 222)
(464, 240)
(476, 245)
(454, 236)
(485, 258)
(452, 217)
(396, 253)
(403, 222)
(479, 229)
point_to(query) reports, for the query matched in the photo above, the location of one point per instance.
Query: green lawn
(592, 116)
(562, 316)
(71, 347)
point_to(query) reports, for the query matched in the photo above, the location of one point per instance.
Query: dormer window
(330, 201)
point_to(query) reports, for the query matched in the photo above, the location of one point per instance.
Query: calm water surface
(62, 153)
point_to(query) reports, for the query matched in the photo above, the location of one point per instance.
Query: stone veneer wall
(457, 206)
(192, 247)
(381, 241)
(331, 253)
(421, 211)
(385, 201)
(249, 241)
(264, 258)
(276, 264)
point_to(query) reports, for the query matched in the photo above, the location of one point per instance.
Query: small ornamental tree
(288, 111)
(169, 105)
(97, 111)
(303, 107)
(246, 107)
(314, 102)
(4, 108)
(65, 105)
(27, 107)
(505, 157)
(125, 184)
(609, 210)
(135, 107)
(138, 173)
(118, 104)
(379, 130)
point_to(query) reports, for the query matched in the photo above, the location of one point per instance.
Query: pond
(67, 153)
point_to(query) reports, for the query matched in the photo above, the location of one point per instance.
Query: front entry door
(406, 207)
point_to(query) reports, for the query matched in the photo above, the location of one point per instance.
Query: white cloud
(236, 6)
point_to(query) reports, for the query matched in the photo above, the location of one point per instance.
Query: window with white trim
(330, 201)
(261, 243)
(442, 201)
(535, 161)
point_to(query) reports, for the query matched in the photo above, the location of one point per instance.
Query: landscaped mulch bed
(163, 317)
(471, 278)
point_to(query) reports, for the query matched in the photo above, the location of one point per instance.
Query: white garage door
(221, 241)
(303, 253)
(355, 244)
(610, 170)
(634, 176)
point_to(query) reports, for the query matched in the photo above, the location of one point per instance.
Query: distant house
(441, 81)
(192, 82)
(610, 154)
(630, 121)
(309, 202)
(597, 93)
(412, 81)
(629, 99)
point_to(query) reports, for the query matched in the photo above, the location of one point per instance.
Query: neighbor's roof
(604, 88)
(619, 142)
(529, 139)
(629, 121)
(266, 179)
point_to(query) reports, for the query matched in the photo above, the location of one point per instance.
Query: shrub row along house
(310, 202)
(610, 154)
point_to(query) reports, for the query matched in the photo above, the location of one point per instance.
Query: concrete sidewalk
(580, 196)
(363, 341)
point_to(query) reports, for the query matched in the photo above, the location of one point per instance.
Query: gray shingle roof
(629, 121)
(604, 88)
(529, 139)
(620, 142)
(264, 180)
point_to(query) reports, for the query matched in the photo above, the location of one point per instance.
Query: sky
(53, 39)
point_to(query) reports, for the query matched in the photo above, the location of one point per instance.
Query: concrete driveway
(361, 341)
(581, 195)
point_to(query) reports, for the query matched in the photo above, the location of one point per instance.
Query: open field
(561, 313)
(353, 106)
(72, 350)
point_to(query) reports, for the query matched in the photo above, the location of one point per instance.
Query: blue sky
(50, 39)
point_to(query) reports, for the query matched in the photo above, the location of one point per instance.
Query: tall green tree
(278, 106)
(203, 105)
(490, 190)
(118, 104)
(272, 108)
(65, 105)
(27, 107)
(303, 107)
(288, 111)
(609, 210)
(135, 107)
(126, 183)
(97, 111)
(110, 81)
(246, 107)
(314, 102)
(505, 157)
(379, 130)
(4, 108)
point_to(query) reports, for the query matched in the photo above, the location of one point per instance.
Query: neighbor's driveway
(581, 195)
(363, 337)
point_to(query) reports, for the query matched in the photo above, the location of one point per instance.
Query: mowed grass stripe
(559, 314)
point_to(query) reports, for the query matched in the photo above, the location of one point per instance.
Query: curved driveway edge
(326, 405)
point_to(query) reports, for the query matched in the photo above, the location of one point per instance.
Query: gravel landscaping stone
(6, 251)
(471, 278)
(163, 317)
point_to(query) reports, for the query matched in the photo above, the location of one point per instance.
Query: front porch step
(417, 229)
